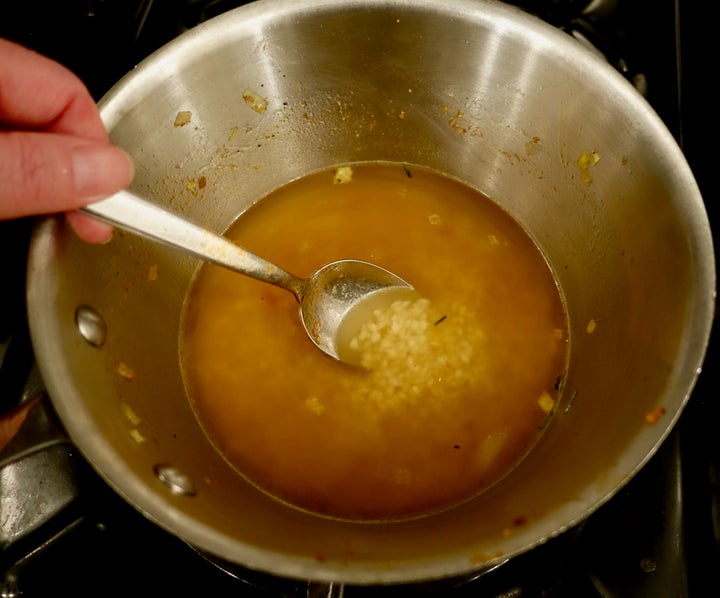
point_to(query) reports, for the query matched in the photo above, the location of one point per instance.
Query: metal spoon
(334, 301)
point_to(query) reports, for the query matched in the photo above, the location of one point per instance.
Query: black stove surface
(659, 536)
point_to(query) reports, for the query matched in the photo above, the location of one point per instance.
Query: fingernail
(100, 170)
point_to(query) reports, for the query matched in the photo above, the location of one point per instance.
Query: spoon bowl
(340, 296)
(334, 300)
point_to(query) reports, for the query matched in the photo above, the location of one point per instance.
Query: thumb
(45, 172)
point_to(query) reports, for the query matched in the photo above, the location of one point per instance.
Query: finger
(89, 229)
(45, 173)
(41, 94)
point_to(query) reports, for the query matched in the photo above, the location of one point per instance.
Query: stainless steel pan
(475, 89)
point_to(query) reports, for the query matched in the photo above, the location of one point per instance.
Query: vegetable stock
(457, 385)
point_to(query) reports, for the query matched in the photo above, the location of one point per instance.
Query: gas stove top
(62, 529)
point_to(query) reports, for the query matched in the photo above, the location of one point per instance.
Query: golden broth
(422, 429)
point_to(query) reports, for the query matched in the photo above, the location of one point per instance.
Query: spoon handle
(127, 211)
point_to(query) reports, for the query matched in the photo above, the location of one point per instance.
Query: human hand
(55, 154)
